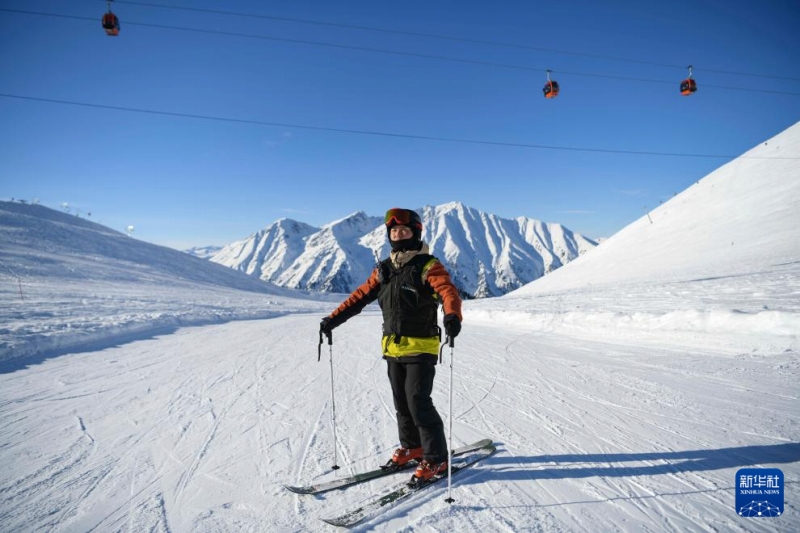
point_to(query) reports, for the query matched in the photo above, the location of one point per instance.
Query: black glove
(325, 326)
(452, 325)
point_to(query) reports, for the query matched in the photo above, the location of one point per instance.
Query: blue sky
(273, 77)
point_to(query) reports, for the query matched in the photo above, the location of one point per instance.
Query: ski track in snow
(199, 430)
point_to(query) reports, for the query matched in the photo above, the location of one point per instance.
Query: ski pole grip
(319, 348)
(448, 341)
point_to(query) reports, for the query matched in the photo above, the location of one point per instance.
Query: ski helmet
(397, 216)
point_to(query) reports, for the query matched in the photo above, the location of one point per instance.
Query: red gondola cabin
(111, 24)
(550, 89)
(688, 86)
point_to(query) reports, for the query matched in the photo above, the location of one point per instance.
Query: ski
(404, 492)
(340, 483)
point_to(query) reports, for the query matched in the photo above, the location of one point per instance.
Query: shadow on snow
(574, 466)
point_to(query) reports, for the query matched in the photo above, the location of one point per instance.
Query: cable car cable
(443, 37)
(391, 52)
(376, 133)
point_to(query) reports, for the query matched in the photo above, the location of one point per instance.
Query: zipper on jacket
(397, 282)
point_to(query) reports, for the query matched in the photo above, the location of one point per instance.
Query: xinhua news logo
(759, 492)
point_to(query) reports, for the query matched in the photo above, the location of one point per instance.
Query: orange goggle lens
(398, 216)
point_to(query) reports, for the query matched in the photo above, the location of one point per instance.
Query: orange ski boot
(401, 457)
(426, 471)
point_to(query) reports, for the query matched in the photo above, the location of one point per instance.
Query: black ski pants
(417, 420)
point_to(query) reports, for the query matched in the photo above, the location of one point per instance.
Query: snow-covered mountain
(487, 255)
(203, 252)
(71, 247)
(725, 253)
(746, 211)
(293, 254)
(118, 285)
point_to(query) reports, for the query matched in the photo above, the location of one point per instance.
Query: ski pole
(333, 400)
(449, 498)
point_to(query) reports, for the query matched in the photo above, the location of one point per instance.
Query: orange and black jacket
(409, 297)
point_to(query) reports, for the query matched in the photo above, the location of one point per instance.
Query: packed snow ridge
(487, 255)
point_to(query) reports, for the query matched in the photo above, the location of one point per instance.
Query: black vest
(409, 305)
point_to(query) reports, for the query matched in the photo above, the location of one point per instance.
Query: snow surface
(623, 391)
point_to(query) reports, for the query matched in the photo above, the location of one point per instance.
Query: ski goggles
(401, 217)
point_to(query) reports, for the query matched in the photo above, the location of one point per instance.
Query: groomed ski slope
(199, 430)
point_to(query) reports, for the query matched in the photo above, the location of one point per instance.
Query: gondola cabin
(688, 86)
(550, 89)
(111, 24)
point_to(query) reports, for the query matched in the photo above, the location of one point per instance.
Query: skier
(409, 286)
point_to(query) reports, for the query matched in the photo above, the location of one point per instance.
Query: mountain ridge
(712, 220)
(487, 255)
(68, 247)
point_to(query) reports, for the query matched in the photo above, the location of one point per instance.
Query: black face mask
(406, 245)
